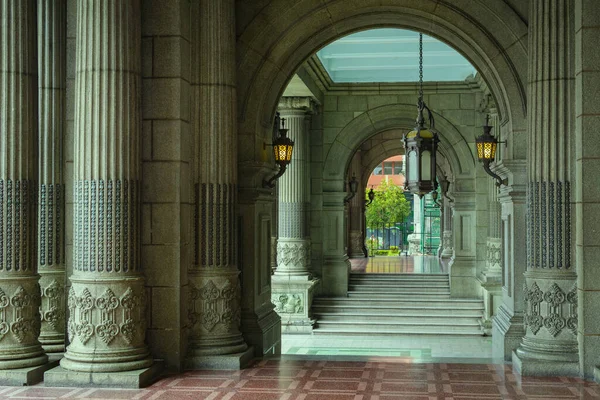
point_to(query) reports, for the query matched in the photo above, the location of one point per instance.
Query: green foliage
(389, 206)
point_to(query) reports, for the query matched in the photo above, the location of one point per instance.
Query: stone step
(399, 282)
(395, 275)
(401, 318)
(386, 295)
(398, 279)
(399, 331)
(399, 288)
(397, 302)
(369, 327)
(378, 310)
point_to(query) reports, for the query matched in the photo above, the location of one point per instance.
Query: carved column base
(507, 333)
(447, 246)
(293, 257)
(356, 244)
(52, 310)
(214, 318)
(20, 323)
(107, 325)
(293, 301)
(550, 344)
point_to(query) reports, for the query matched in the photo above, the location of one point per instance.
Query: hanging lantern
(420, 146)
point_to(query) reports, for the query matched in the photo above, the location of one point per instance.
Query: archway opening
(340, 119)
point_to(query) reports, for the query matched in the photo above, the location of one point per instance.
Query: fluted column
(107, 321)
(19, 288)
(550, 342)
(356, 210)
(293, 243)
(292, 285)
(214, 287)
(52, 26)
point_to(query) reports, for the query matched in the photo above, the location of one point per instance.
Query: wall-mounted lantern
(353, 187)
(371, 196)
(282, 150)
(487, 145)
(420, 145)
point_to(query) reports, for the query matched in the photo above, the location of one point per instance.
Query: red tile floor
(337, 380)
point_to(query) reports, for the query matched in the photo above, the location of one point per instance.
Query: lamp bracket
(500, 181)
(271, 182)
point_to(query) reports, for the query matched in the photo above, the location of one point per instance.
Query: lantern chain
(420, 65)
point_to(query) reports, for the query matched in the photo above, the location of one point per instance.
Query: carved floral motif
(555, 298)
(288, 303)
(106, 316)
(214, 307)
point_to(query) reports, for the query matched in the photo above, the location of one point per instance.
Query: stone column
(19, 288)
(550, 343)
(447, 245)
(356, 211)
(214, 287)
(52, 26)
(293, 285)
(106, 301)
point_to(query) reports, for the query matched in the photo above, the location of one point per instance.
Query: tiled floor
(331, 380)
(399, 265)
(422, 348)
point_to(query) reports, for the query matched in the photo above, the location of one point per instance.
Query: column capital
(304, 104)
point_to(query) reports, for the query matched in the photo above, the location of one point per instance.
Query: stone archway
(490, 34)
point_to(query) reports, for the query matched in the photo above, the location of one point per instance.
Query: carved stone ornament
(52, 307)
(288, 303)
(214, 308)
(554, 319)
(106, 316)
(292, 255)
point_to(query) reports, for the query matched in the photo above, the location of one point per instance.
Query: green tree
(389, 206)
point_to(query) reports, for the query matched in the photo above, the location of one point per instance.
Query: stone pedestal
(414, 244)
(292, 297)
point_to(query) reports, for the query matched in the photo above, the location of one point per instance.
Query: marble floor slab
(284, 379)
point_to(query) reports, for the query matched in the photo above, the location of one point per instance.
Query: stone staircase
(384, 304)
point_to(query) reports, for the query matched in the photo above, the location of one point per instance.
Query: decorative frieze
(548, 228)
